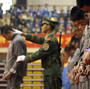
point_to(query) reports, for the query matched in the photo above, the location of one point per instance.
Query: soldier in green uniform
(48, 53)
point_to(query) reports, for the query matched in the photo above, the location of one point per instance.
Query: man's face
(80, 24)
(7, 36)
(45, 27)
(64, 57)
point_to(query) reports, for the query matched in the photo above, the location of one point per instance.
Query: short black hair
(72, 47)
(76, 13)
(5, 29)
(69, 48)
(81, 3)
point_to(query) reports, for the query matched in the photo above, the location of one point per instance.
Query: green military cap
(51, 20)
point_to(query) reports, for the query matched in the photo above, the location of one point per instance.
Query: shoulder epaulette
(49, 38)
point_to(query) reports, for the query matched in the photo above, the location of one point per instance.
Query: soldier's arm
(46, 49)
(30, 37)
(34, 38)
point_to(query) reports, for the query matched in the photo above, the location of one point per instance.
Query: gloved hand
(17, 31)
(20, 58)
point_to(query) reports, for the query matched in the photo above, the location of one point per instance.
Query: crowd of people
(30, 20)
(77, 64)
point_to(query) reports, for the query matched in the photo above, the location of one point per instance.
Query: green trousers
(52, 82)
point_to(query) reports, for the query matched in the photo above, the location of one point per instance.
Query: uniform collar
(48, 35)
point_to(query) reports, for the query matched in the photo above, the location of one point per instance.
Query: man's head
(7, 32)
(65, 55)
(48, 25)
(84, 5)
(76, 13)
(77, 16)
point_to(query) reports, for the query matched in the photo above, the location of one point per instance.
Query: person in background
(36, 29)
(1, 12)
(84, 72)
(65, 60)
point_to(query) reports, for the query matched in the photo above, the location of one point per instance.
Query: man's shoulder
(51, 37)
(87, 30)
(18, 38)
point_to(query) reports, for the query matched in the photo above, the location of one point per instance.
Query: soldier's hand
(20, 58)
(7, 76)
(86, 57)
(17, 31)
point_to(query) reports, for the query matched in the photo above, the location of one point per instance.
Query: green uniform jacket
(48, 53)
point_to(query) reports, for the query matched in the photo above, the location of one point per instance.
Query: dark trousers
(14, 82)
(52, 82)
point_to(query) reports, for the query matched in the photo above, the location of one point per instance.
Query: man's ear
(8, 32)
(87, 15)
